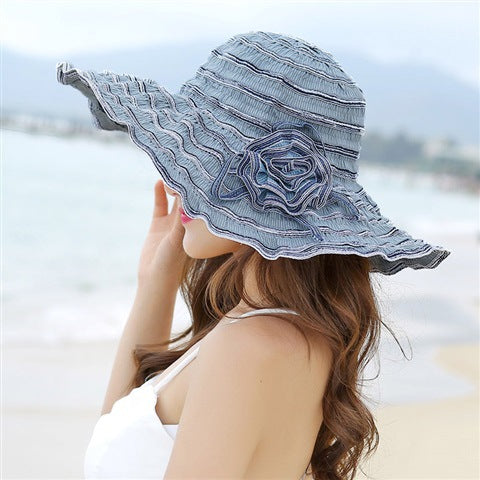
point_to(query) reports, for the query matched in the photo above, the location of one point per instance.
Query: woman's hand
(159, 273)
(162, 253)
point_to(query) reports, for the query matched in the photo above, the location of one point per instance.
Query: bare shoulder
(270, 345)
(260, 343)
(238, 377)
(269, 333)
(272, 335)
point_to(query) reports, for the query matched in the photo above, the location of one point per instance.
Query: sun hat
(263, 144)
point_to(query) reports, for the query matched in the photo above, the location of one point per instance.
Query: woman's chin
(199, 242)
(194, 245)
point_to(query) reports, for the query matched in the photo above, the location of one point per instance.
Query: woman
(272, 254)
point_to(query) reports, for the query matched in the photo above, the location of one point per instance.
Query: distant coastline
(449, 166)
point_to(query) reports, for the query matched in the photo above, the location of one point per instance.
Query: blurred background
(76, 203)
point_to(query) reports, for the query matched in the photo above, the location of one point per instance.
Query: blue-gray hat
(263, 144)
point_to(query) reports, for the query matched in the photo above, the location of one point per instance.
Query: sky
(444, 34)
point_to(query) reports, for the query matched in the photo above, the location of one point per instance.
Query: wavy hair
(334, 296)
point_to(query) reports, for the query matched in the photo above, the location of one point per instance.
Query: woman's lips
(185, 218)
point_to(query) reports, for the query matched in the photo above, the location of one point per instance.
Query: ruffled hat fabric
(263, 144)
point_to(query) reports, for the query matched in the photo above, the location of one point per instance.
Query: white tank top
(130, 441)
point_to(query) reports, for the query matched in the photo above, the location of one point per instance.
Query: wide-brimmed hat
(262, 143)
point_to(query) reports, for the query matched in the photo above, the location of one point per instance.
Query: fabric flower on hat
(282, 171)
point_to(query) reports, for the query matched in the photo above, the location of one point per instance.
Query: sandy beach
(51, 400)
(48, 419)
(434, 440)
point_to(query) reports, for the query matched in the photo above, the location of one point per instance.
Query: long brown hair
(334, 297)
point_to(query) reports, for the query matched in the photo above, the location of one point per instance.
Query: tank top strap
(262, 310)
(177, 368)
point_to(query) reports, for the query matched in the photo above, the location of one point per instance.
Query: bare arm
(150, 319)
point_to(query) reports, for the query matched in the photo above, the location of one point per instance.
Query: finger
(160, 207)
(175, 206)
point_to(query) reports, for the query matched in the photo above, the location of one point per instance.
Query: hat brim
(188, 140)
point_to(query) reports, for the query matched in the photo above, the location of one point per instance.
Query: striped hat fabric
(262, 143)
